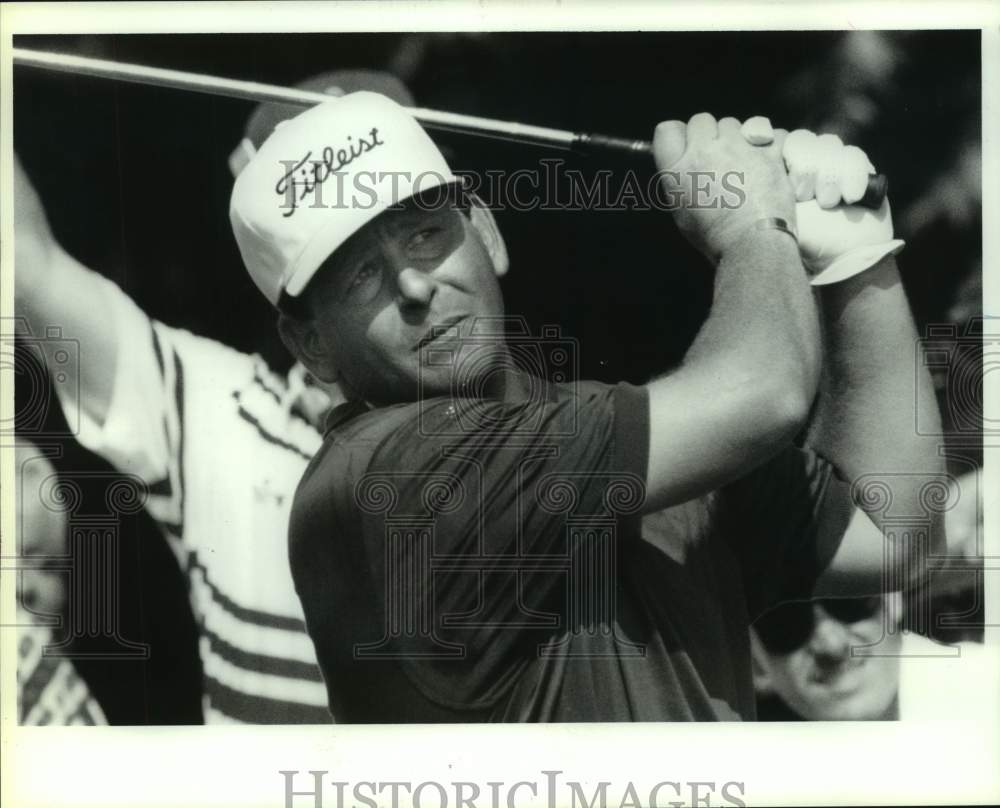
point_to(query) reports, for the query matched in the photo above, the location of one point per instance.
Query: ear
(482, 219)
(303, 340)
(760, 666)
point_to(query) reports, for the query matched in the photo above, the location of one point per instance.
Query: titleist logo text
(299, 181)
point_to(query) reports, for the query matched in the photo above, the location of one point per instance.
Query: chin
(869, 703)
(853, 710)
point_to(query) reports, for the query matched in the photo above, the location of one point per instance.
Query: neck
(506, 383)
(509, 384)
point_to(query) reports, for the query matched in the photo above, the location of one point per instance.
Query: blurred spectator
(802, 656)
(50, 691)
(851, 659)
(847, 659)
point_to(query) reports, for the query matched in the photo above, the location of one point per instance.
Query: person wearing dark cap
(849, 659)
(220, 439)
(466, 542)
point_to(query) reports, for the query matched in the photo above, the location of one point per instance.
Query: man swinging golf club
(466, 542)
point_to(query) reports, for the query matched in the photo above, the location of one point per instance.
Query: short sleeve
(773, 519)
(469, 522)
(139, 395)
(162, 376)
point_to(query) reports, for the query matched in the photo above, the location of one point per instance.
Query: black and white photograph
(371, 381)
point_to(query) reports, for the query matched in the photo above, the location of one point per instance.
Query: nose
(829, 638)
(416, 287)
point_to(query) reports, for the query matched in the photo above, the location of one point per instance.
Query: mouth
(446, 329)
(841, 678)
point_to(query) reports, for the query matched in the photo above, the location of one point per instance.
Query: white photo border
(779, 764)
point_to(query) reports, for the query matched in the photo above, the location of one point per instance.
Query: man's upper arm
(709, 426)
(124, 397)
(140, 383)
(78, 302)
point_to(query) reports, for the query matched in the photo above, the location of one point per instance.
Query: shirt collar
(349, 410)
(343, 413)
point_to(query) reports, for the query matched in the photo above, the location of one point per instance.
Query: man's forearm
(763, 321)
(745, 386)
(871, 387)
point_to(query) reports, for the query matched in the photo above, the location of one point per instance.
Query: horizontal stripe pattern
(259, 664)
(247, 615)
(258, 667)
(255, 683)
(223, 704)
(263, 663)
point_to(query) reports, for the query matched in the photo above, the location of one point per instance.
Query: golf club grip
(878, 187)
(878, 184)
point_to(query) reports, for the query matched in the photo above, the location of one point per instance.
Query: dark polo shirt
(483, 560)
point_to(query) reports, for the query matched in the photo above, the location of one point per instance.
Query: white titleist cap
(322, 176)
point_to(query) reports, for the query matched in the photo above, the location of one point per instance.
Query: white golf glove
(837, 238)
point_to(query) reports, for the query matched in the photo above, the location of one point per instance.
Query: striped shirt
(50, 692)
(213, 433)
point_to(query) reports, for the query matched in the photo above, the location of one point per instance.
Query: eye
(363, 284)
(426, 241)
(364, 273)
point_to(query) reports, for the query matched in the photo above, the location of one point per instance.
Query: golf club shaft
(433, 119)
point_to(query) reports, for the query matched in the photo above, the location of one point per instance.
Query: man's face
(820, 679)
(383, 295)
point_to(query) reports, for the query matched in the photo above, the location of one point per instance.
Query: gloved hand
(837, 238)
